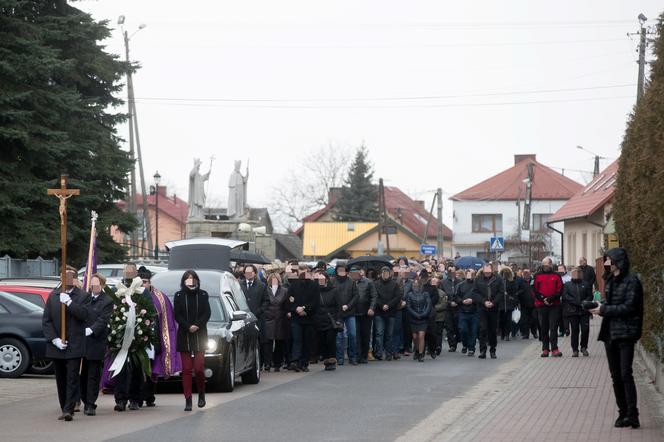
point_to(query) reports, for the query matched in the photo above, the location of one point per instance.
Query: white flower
(113, 332)
(140, 332)
(139, 320)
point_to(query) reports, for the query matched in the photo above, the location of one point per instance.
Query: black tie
(249, 284)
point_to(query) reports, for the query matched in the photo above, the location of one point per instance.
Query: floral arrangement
(144, 329)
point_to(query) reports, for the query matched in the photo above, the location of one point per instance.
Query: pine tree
(57, 89)
(359, 195)
(639, 199)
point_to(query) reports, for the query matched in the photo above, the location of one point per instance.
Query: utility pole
(642, 58)
(439, 232)
(383, 220)
(133, 129)
(132, 178)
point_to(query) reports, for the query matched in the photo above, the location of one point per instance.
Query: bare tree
(305, 188)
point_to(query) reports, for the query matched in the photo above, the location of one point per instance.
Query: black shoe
(187, 404)
(482, 354)
(150, 404)
(68, 417)
(629, 422)
(133, 406)
(304, 369)
(364, 361)
(90, 411)
(61, 417)
(277, 369)
(388, 357)
(266, 369)
(493, 354)
(452, 349)
(201, 400)
(584, 352)
(471, 353)
(378, 356)
(416, 355)
(433, 355)
(352, 363)
(575, 354)
(621, 422)
(464, 350)
(294, 367)
(120, 406)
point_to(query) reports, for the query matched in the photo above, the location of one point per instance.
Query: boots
(201, 400)
(187, 404)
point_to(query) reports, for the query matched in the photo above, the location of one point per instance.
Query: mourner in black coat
(191, 308)
(622, 324)
(66, 355)
(277, 327)
(303, 302)
(100, 308)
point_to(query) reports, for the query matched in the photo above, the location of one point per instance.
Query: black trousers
(505, 323)
(620, 355)
(129, 384)
(488, 325)
(327, 344)
(363, 335)
(528, 322)
(90, 377)
(273, 352)
(430, 337)
(452, 328)
(576, 323)
(549, 318)
(148, 390)
(68, 382)
(440, 326)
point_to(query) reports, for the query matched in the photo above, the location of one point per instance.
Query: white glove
(150, 351)
(65, 299)
(58, 343)
(88, 331)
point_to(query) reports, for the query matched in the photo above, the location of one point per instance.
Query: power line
(356, 99)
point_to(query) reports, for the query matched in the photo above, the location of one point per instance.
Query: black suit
(66, 362)
(100, 309)
(256, 294)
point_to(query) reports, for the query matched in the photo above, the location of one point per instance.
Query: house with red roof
(495, 208)
(326, 238)
(585, 218)
(173, 213)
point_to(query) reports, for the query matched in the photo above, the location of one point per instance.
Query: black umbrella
(367, 262)
(244, 257)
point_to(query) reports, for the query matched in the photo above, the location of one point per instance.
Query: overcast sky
(442, 93)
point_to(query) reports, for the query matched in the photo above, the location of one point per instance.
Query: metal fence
(27, 268)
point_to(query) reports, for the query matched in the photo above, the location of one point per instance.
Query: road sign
(428, 249)
(497, 244)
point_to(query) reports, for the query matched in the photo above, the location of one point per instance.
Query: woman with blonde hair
(277, 327)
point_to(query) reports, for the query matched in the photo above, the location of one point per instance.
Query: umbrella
(468, 262)
(368, 261)
(244, 257)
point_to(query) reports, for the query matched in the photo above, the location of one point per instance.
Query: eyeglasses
(146, 281)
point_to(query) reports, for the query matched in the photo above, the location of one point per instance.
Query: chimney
(161, 190)
(420, 203)
(333, 195)
(522, 157)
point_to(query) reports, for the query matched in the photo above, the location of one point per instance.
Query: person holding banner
(67, 354)
(99, 307)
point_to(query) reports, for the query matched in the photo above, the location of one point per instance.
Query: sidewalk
(552, 399)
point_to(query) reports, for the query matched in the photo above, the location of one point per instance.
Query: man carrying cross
(66, 354)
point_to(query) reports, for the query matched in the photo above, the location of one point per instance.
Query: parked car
(36, 295)
(48, 282)
(22, 342)
(233, 339)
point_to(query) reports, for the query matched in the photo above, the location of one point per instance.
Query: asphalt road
(378, 401)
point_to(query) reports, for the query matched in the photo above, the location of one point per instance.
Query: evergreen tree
(359, 195)
(639, 199)
(57, 89)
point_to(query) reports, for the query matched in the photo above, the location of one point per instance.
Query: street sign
(497, 244)
(428, 249)
(390, 230)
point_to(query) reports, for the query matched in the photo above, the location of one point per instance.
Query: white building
(495, 206)
(585, 216)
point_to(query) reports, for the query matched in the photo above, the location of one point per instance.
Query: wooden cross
(63, 194)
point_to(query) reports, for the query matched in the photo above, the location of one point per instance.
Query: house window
(487, 223)
(539, 222)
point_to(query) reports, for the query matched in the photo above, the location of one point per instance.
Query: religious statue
(237, 192)
(197, 191)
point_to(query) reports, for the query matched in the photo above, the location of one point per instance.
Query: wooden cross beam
(63, 194)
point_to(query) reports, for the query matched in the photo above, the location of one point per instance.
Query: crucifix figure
(63, 194)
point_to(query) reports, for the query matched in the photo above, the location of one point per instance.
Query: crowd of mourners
(349, 315)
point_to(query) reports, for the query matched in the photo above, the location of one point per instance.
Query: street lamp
(157, 180)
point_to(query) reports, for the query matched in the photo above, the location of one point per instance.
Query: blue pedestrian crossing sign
(497, 244)
(427, 249)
